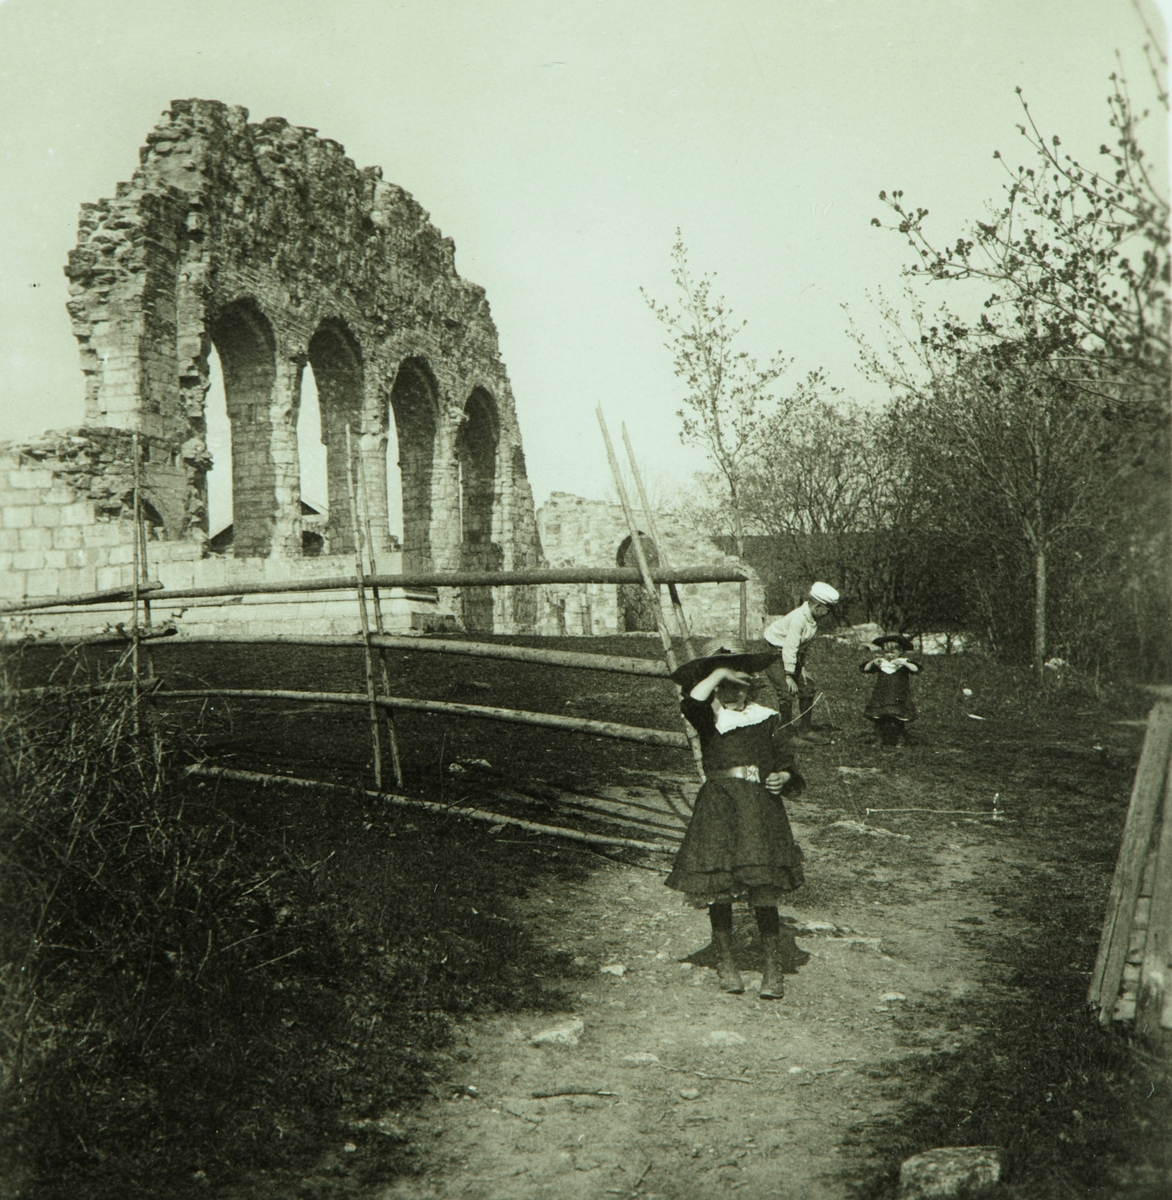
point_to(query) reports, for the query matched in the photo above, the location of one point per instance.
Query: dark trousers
(803, 703)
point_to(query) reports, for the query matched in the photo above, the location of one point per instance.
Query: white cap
(823, 593)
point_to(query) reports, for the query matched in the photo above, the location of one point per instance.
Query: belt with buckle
(752, 774)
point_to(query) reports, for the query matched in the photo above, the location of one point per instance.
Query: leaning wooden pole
(375, 738)
(481, 712)
(389, 716)
(648, 583)
(444, 810)
(676, 603)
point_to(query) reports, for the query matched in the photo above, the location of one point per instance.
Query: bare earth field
(939, 960)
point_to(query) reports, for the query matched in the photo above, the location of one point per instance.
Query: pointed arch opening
(476, 467)
(335, 361)
(218, 437)
(313, 473)
(638, 612)
(414, 403)
(243, 341)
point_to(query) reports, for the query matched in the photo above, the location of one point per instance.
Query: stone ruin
(576, 532)
(265, 241)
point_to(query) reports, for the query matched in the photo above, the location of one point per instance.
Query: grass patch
(1076, 1110)
(212, 984)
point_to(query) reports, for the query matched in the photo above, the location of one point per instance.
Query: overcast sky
(560, 145)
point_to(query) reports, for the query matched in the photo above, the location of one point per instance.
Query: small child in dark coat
(891, 706)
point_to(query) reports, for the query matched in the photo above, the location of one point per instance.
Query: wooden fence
(665, 820)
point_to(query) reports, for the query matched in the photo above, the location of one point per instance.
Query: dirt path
(711, 1093)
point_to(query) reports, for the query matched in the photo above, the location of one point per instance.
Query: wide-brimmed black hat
(721, 652)
(894, 639)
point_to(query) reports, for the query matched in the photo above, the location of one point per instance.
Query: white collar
(728, 719)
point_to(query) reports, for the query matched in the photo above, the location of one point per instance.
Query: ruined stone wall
(265, 241)
(592, 533)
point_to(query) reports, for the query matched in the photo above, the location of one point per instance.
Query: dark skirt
(892, 697)
(738, 841)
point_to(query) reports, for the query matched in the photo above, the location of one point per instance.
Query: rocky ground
(675, 1089)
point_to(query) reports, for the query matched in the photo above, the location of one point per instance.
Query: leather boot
(805, 733)
(727, 974)
(772, 980)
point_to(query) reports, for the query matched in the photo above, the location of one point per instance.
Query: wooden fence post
(389, 716)
(361, 584)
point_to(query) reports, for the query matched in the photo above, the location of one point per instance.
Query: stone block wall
(592, 533)
(67, 528)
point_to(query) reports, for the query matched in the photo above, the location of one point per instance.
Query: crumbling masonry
(266, 242)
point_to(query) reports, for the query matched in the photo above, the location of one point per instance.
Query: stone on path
(690, 1093)
(946, 1170)
(725, 1037)
(616, 969)
(565, 1034)
(642, 1059)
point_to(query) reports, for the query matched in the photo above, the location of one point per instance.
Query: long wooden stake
(143, 574)
(676, 603)
(430, 579)
(652, 668)
(471, 814)
(673, 831)
(389, 717)
(513, 716)
(376, 740)
(651, 587)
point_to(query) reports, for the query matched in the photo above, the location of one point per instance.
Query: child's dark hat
(894, 639)
(721, 652)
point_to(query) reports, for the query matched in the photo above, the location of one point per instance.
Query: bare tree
(728, 398)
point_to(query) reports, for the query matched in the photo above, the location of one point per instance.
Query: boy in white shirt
(792, 635)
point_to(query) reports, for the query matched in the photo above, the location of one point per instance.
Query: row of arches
(256, 461)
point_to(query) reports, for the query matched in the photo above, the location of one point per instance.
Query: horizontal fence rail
(471, 814)
(426, 644)
(107, 596)
(610, 729)
(118, 636)
(418, 579)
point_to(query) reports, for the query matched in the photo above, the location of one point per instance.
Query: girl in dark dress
(891, 706)
(739, 842)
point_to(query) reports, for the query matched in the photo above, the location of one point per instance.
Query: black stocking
(768, 922)
(721, 917)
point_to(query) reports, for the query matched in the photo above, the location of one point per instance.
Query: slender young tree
(727, 397)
